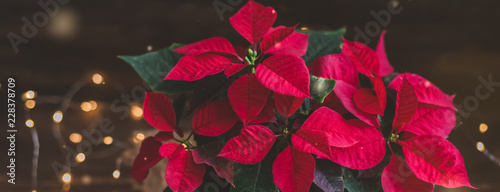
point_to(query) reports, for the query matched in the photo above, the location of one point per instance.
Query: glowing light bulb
(75, 137)
(30, 94)
(86, 106)
(58, 116)
(480, 146)
(66, 177)
(149, 48)
(136, 112)
(93, 105)
(97, 78)
(30, 123)
(140, 136)
(108, 140)
(30, 104)
(304, 28)
(483, 128)
(80, 157)
(116, 174)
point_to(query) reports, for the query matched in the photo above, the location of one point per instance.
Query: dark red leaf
(364, 58)
(182, 173)
(148, 157)
(293, 170)
(164, 136)
(267, 114)
(275, 37)
(213, 44)
(345, 92)
(294, 44)
(398, 177)
(207, 154)
(385, 66)
(191, 68)
(247, 97)
(287, 105)
(251, 146)
(435, 160)
(214, 118)
(285, 74)
(167, 149)
(159, 111)
(335, 66)
(234, 68)
(253, 21)
(366, 100)
(333, 102)
(406, 105)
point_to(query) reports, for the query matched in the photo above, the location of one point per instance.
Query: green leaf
(321, 43)
(354, 184)
(321, 87)
(328, 176)
(153, 67)
(255, 177)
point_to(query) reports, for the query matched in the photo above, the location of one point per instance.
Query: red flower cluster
(272, 76)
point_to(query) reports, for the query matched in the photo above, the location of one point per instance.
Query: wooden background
(450, 42)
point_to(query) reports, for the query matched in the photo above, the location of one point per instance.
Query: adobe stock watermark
(223, 6)
(32, 25)
(382, 18)
(482, 92)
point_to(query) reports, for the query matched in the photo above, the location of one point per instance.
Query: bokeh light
(108, 140)
(483, 128)
(30, 123)
(86, 106)
(136, 112)
(66, 177)
(480, 146)
(75, 137)
(30, 94)
(97, 78)
(30, 104)
(58, 116)
(116, 174)
(80, 157)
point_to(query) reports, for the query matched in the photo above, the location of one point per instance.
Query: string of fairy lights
(32, 99)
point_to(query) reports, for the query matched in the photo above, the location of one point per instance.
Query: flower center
(393, 137)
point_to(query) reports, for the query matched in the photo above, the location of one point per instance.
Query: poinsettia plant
(293, 111)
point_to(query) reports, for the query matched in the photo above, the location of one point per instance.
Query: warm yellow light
(140, 136)
(66, 177)
(108, 140)
(483, 128)
(86, 106)
(304, 28)
(80, 157)
(75, 137)
(97, 78)
(33, 190)
(30, 104)
(30, 123)
(93, 105)
(86, 179)
(58, 116)
(30, 94)
(116, 174)
(480, 146)
(136, 112)
(149, 48)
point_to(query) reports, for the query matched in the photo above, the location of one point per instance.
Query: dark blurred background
(450, 42)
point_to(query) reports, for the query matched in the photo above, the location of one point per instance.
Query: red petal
(426, 91)
(364, 58)
(333, 102)
(251, 146)
(182, 173)
(267, 114)
(148, 157)
(432, 120)
(293, 170)
(167, 149)
(213, 44)
(435, 160)
(345, 92)
(164, 136)
(285, 74)
(247, 97)
(406, 105)
(275, 37)
(366, 100)
(253, 21)
(335, 66)
(381, 92)
(287, 105)
(207, 154)
(234, 68)
(363, 155)
(398, 177)
(214, 118)
(159, 111)
(295, 44)
(385, 66)
(312, 141)
(191, 68)
(339, 132)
